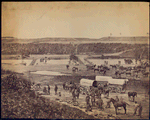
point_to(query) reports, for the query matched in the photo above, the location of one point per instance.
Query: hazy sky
(74, 19)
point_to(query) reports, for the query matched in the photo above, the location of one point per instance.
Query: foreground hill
(18, 101)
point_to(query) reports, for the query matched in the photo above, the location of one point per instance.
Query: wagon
(85, 85)
(114, 85)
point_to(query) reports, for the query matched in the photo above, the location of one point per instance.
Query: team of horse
(128, 71)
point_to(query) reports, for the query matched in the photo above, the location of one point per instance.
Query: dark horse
(100, 70)
(133, 94)
(118, 104)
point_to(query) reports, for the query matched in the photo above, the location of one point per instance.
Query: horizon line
(72, 37)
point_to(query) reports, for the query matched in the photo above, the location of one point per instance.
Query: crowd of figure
(93, 97)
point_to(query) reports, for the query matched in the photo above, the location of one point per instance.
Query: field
(56, 73)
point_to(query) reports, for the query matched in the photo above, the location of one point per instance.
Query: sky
(74, 19)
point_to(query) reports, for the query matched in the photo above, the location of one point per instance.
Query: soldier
(93, 98)
(140, 109)
(56, 88)
(73, 95)
(117, 99)
(99, 93)
(88, 106)
(48, 89)
(45, 90)
(78, 92)
(100, 103)
(64, 85)
(67, 66)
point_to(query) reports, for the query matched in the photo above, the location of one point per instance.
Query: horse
(128, 73)
(133, 94)
(100, 70)
(128, 61)
(113, 66)
(96, 69)
(118, 104)
(118, 73)
(74, 69)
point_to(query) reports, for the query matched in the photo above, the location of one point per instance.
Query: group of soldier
(47, 90)
(73, 89)
(93, 99)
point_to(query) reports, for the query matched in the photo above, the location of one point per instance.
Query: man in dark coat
(88, 106)
(56, 88)
(48, 89)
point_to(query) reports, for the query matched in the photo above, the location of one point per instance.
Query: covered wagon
(114, 85)
(85, 85)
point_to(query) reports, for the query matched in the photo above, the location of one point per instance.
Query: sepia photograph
(75, 60)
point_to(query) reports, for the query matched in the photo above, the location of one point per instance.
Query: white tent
(86, 82)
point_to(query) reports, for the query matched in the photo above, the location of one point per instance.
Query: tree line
(48, 48)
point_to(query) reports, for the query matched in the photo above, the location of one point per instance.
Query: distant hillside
(129, 40)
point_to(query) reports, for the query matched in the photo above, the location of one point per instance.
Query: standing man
(67, 66)
(100, 103)
(117, 99)
(73, 95)
(44, 90)
(64, 85)
(48, 89)
(78, 92)
(56, 88)
(93, 98)
(140, 109)
(88, 106)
